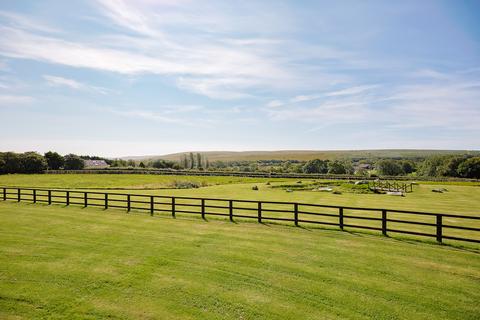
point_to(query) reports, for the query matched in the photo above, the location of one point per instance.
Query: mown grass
(459, 199)
(73, 263)
(115, 181)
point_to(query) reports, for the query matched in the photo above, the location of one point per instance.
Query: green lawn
(73, 263)
(460, 198)
(115, 181)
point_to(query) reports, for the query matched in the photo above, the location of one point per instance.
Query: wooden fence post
(4, 194)
(203, 208)
(106, 201)
(151, 205)
(173, 207)
(34, 195)
(85, 199)
(295, 213)
(128, 203)
(439, 228)
(230, 209)
(340, 218)
(384, 222)
(68, 198)
(49, 197)
(259, 212)
(18, 194)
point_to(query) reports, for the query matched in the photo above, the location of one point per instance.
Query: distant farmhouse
(99, 164)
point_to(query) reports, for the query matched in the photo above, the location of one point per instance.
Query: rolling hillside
(307, 154)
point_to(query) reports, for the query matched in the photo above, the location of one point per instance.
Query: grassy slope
(307, 154)
(77, 263)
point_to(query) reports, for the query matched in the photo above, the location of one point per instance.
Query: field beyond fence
(439, 226)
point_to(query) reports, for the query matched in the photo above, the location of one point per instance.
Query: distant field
(308, 154)
(73, 263)
(115, 181)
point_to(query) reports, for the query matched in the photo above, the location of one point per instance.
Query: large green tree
(33, 162)
(470, 168)
(316, 166)
(388, 167)
(73, 162)
(54, 160)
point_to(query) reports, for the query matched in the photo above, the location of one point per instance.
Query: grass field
(460, 198)
(73, 263)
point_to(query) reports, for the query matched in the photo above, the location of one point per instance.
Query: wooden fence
(439, 226)
(390, 186)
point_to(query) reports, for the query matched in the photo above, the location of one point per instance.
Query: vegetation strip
(65, 196)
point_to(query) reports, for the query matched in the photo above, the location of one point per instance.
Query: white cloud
(351, 91)
(203, 54)
(26, 22)
(275, 103)
(56, 81)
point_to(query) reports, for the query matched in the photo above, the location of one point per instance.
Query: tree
(12, 163)
(141, 165)
(185, 162)
(131, 163)
(431, 166)
(470, 168)
(450, 167)
(408, 166)
(388, 168)
(54, 160)
(336, 167)
(199, 161)
(33, 162)
(73, 162)
(316, 166)
(192, 161)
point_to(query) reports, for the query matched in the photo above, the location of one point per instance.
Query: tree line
(462, 166)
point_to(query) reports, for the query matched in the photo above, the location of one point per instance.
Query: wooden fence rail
(386, 221)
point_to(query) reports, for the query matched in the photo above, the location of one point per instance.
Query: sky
(149, 77)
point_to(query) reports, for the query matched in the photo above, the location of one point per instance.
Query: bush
(178, 184)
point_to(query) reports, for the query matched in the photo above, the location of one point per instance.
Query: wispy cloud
(56, 81)
(10, 100)
(203, 60)
(25, 22)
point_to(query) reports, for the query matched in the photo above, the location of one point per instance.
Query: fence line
(188, 172)
(388, 220)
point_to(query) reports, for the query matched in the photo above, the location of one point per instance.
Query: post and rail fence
(386, 221)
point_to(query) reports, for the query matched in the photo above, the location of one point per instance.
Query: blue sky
(117, 78)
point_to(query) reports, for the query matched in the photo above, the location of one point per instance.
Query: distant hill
(308, 154)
